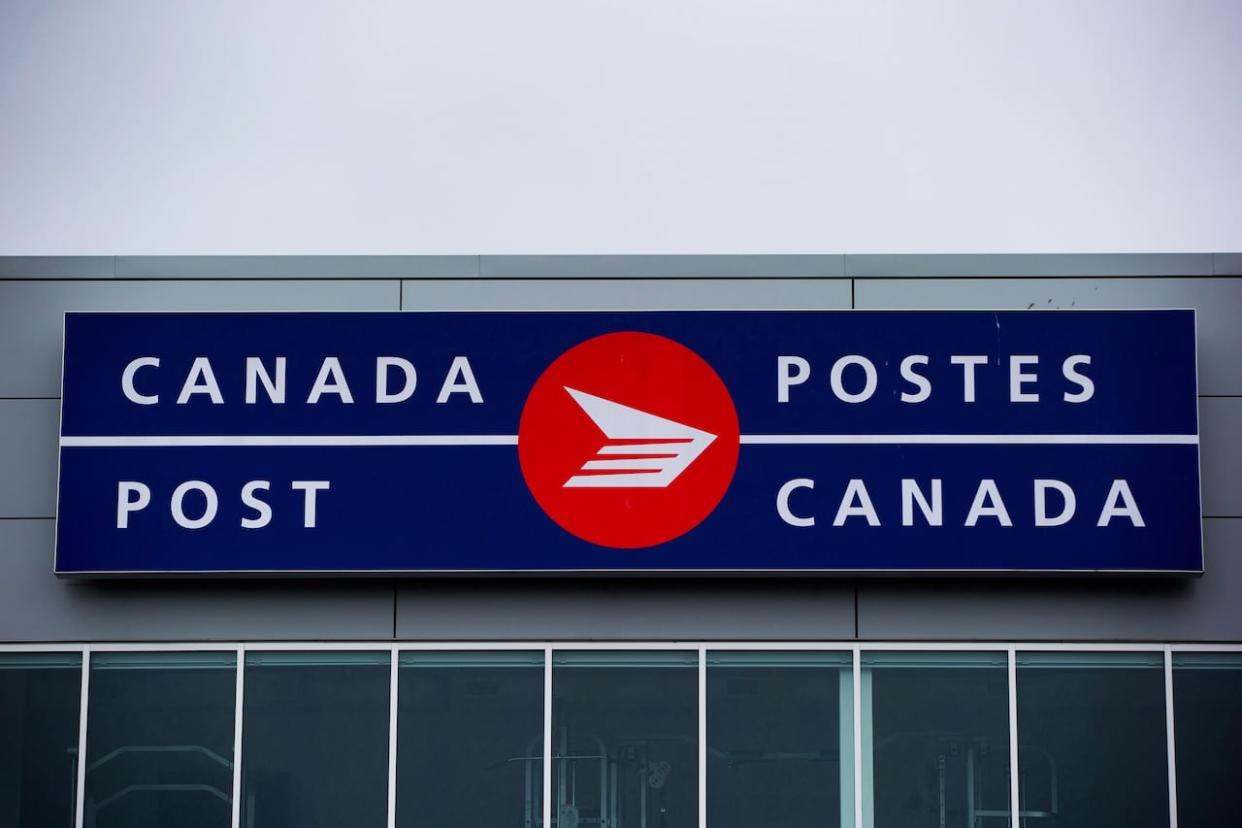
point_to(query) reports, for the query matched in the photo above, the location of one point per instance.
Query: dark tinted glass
(38, 738)
(470, 739)
(1091, 740)
(780, 740)
(939, 738)
(159, 740)
(315, 740)
(1207, 704)
(625, 739)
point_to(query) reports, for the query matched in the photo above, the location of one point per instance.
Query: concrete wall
(36, 606)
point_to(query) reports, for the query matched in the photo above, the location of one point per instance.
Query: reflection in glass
(315, 740)
(159, 742)
(780, 739)
(38, 738)
(1207, 705)
(470, 739)
(938, 739)
(625, 739)
(1091, 740)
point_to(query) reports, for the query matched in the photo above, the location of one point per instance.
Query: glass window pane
(1207, 707)
(470, 739)
(159, 741)
(780, 739)
(938, 739)
(39, 703)
(1091, 739)
(625, 739)
(315, 740)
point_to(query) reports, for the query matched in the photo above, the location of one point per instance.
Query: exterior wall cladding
(35, 606)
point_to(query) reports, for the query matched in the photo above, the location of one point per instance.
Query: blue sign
(816, 441)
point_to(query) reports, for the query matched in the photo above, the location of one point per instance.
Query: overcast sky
(655, 126)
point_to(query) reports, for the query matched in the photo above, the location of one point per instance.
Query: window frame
(394, 649)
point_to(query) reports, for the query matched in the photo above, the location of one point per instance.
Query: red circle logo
(628, 440)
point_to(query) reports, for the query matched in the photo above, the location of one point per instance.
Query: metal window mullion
(79, 804)
(858, 763)
(702, 737)
(392, 740)
(777, 646)
(238, 696)
(1170, 740)
(1012, 659)
(547, 737)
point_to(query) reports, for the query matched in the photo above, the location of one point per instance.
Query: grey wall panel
(622, 266)
(1220, 459)
(31, 313)
(296, 267)
(28, 445)
(1032, 264)
(1227, 264)
(619, 609)
(37, 606)
(628, 294)
(1218, 301)
(655, 267)
(57, 267)
(1172, 609)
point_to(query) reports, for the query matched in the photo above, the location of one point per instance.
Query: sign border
(724, 573)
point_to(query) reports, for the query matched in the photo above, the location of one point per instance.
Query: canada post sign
(742, 441)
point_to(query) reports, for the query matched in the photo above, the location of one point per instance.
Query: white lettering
(918, 380)
(248, 499)
(460, 379)
(911, 494)
(209, 507)
(127, 381)
(838, 388)
(311, 488)
(995, 507)
(125, 504)
(1120, 491)
(1017, 378)
(256, 372)
(856, 502)
(1041, 503)
(968, 364)
(1081, 380)
(201, 380)
(782, 502)
(790, 370)
(382, 394)
(330, 370)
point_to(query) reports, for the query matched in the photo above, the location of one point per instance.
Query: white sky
(653, 126)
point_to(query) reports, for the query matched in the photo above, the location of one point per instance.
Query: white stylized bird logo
(642, 450)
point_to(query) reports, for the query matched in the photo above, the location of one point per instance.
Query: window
(38, 738)
(1207, 704)
(159, 743)
(1091, 739)
(777, 748)
(625, 739)
(780, 739)
(470, 739)
(938, 740)
(315, 740)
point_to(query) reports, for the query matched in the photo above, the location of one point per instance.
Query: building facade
(618, 701)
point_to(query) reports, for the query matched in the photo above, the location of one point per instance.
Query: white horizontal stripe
(299, 440)
(974, 439)
(511, 440)
(623, 464)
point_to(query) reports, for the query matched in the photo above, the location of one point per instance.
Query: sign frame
(610, 573)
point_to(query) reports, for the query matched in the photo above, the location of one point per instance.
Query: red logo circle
(628, 440)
